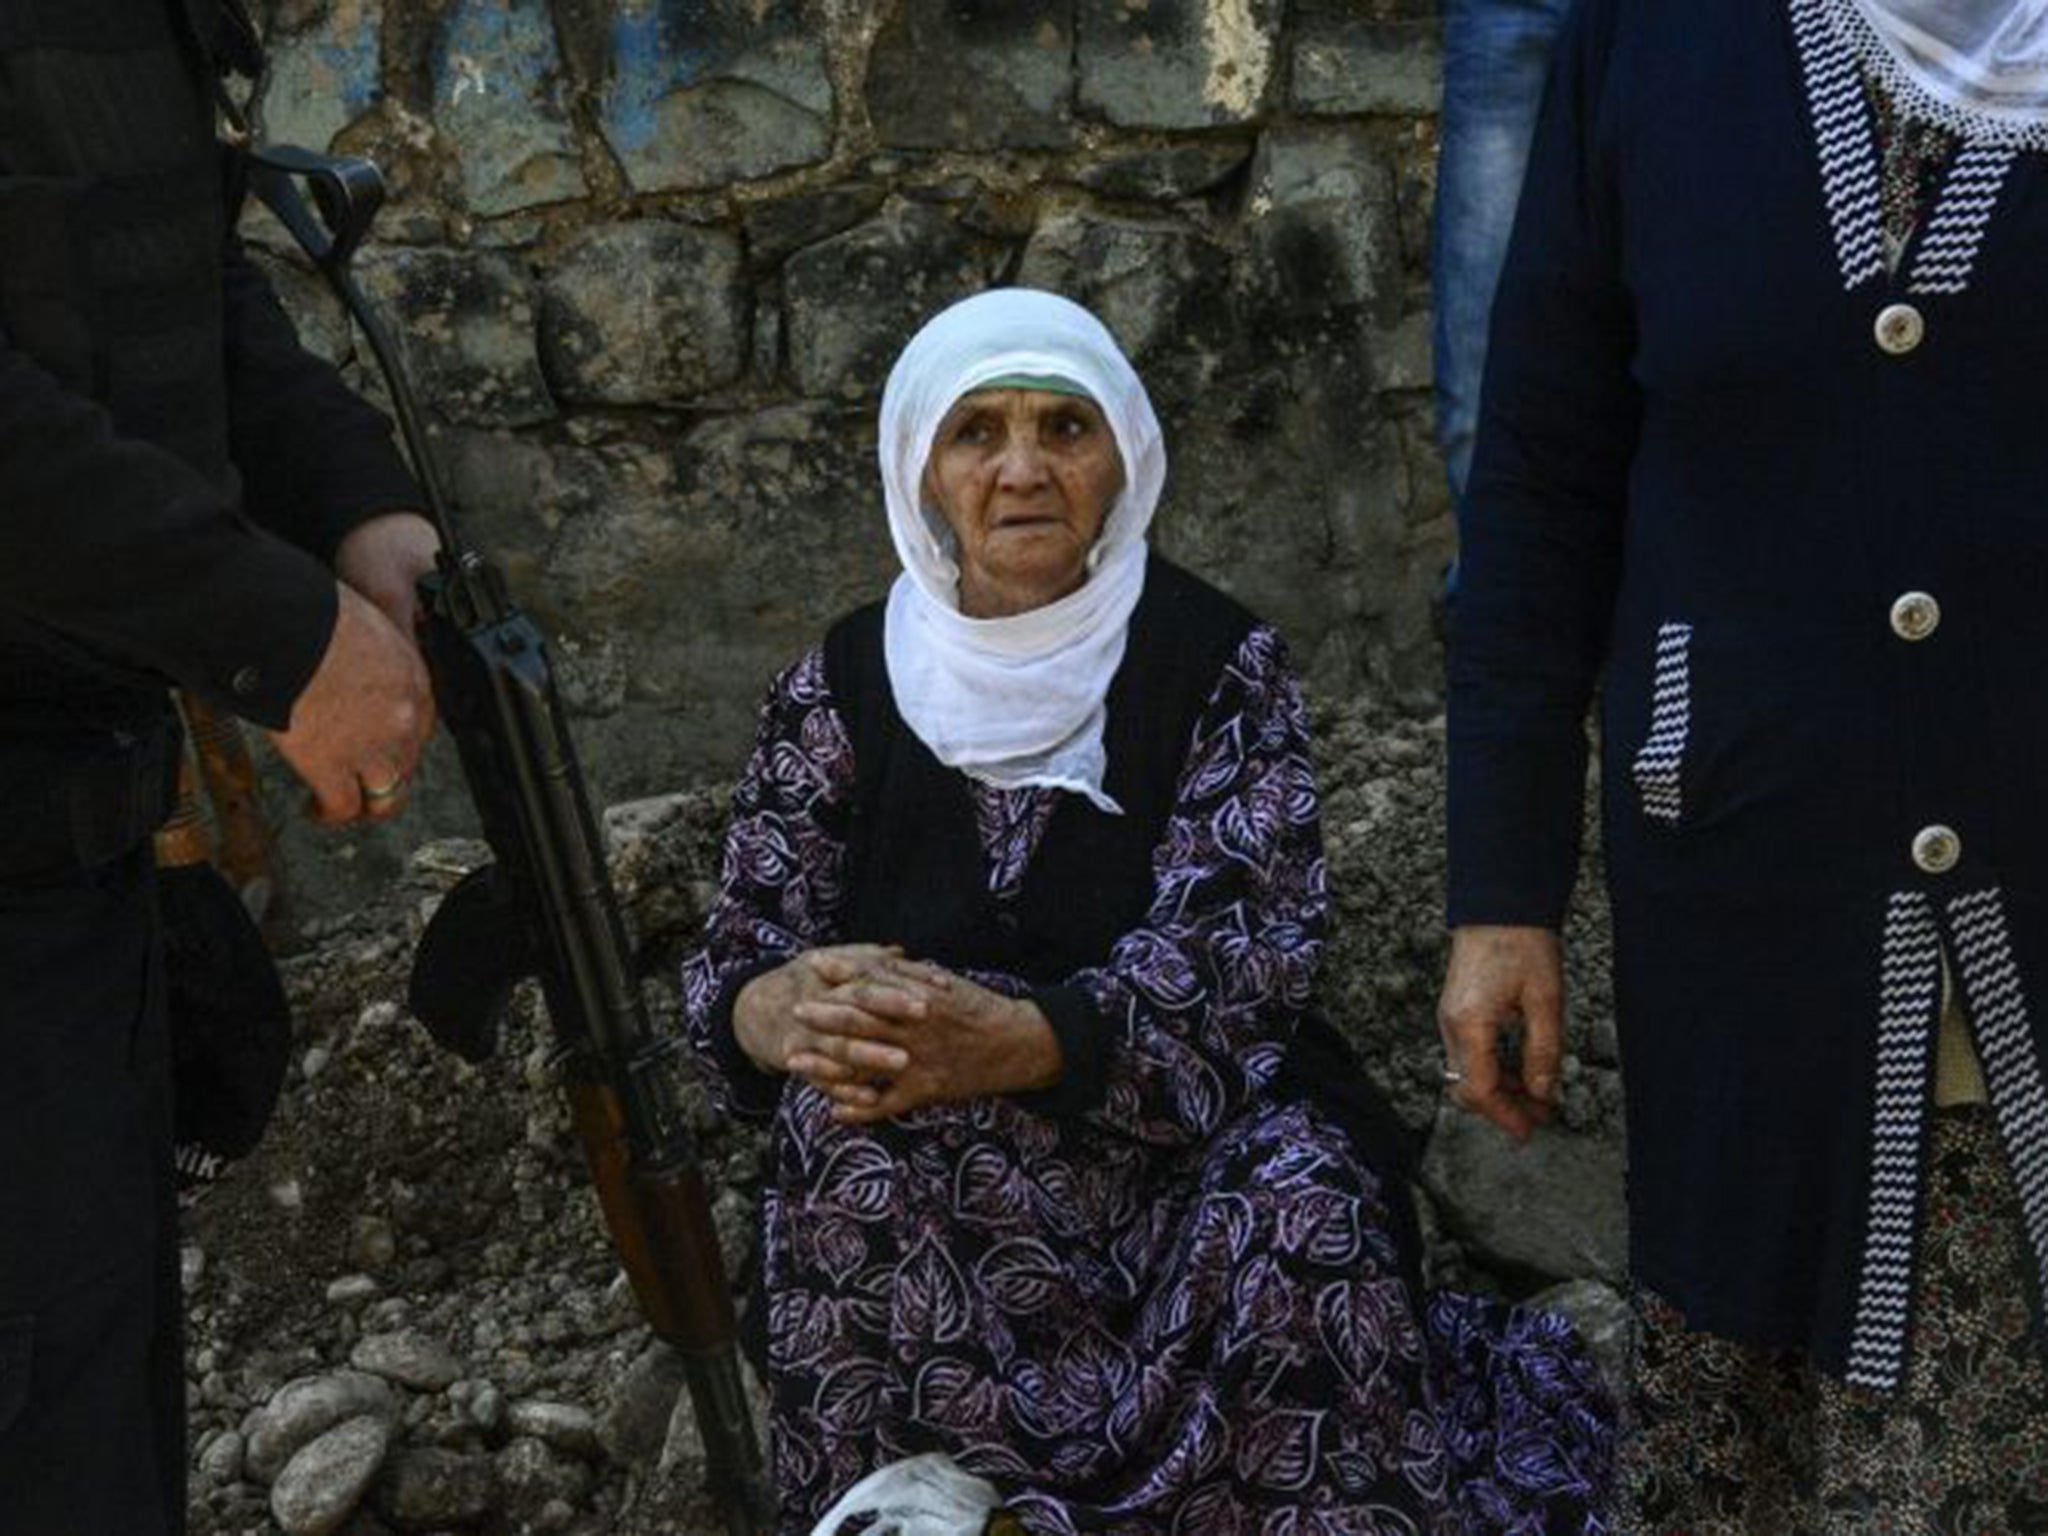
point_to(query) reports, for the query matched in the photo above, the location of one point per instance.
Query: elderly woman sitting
(1021, 909)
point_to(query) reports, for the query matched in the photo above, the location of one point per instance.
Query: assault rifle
(545, 906)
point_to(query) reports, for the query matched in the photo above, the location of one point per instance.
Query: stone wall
(652, 259)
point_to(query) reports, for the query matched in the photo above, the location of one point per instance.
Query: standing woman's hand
(1498, 978)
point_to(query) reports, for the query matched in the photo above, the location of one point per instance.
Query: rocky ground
(404, 1313)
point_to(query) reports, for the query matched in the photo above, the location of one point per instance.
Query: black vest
(917, 874)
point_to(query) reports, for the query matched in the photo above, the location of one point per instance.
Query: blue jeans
(1496, 56)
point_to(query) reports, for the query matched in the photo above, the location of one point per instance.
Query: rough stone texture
(321, 1485)
(306, 1409)
(497, 92)
(1178, 63)
(1345, 62)
(560, 1426)
(429, 1489)
(698, 93)
(532, 1476)
(324, 78)
(1550, 1207)
(467, 327)
(221, 1459)
(635, 314)
(1165, 175)
(634, 1429)
(408, 1357)
(1324, 234)
(985, 74)
(855, 299)
(1158, 287)
(786, 225)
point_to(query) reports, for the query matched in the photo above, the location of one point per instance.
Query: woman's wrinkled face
(1024, 478)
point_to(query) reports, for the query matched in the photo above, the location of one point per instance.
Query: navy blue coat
(1788, 512)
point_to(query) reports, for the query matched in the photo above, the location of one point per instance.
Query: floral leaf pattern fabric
(1180, 1312)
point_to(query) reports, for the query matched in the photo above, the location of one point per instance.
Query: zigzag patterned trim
(2005, 1042)
(1848, 147)
(1909, 1002)
(1860, 40)
(1663, 751)
(1948, 251)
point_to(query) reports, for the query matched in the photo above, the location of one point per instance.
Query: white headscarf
(1020, 700)
(1979, 67)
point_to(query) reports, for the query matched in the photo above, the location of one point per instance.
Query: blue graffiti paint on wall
(658, 47)
(493, 47)
(352, 63)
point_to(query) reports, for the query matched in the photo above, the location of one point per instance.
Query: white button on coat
(1900, 329)
(1915, 616)
(1937, 849)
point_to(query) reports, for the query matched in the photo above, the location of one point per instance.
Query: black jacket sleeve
(316, 460)
(1543, 521)
(123, 548)
(127, 550)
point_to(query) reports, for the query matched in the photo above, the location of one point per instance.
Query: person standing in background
(1496, 53)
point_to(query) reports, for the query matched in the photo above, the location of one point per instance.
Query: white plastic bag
(924, 1496)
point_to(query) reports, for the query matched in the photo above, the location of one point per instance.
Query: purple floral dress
(1180, 1312)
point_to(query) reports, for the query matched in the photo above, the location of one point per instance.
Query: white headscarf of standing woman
(1020, 700)
(1977, 66)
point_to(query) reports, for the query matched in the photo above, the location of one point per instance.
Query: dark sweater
(1704, 481)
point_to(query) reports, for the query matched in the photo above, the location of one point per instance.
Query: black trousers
(91, 1372)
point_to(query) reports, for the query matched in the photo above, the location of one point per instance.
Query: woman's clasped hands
(880, 1034)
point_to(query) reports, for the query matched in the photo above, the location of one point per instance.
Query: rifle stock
(551, 909)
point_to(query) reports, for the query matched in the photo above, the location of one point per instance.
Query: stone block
(1166, 175)
(408, 1357)
(1153, 285)
(1402, 354)
(1324, 229)
(785, 224)
(637, 313)
(1347, 63)
(324, 78)
(700, 93)
(430, 1489)
(709, 570)
(973, 74)
(306, 1408)
(854, 300)
(466, 324)
(623, 543)
(635, 1423)
(498, 90)
(505, 494)
(1178, 63)
(1553, 1208)
(317, 1490)
(763, 526)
